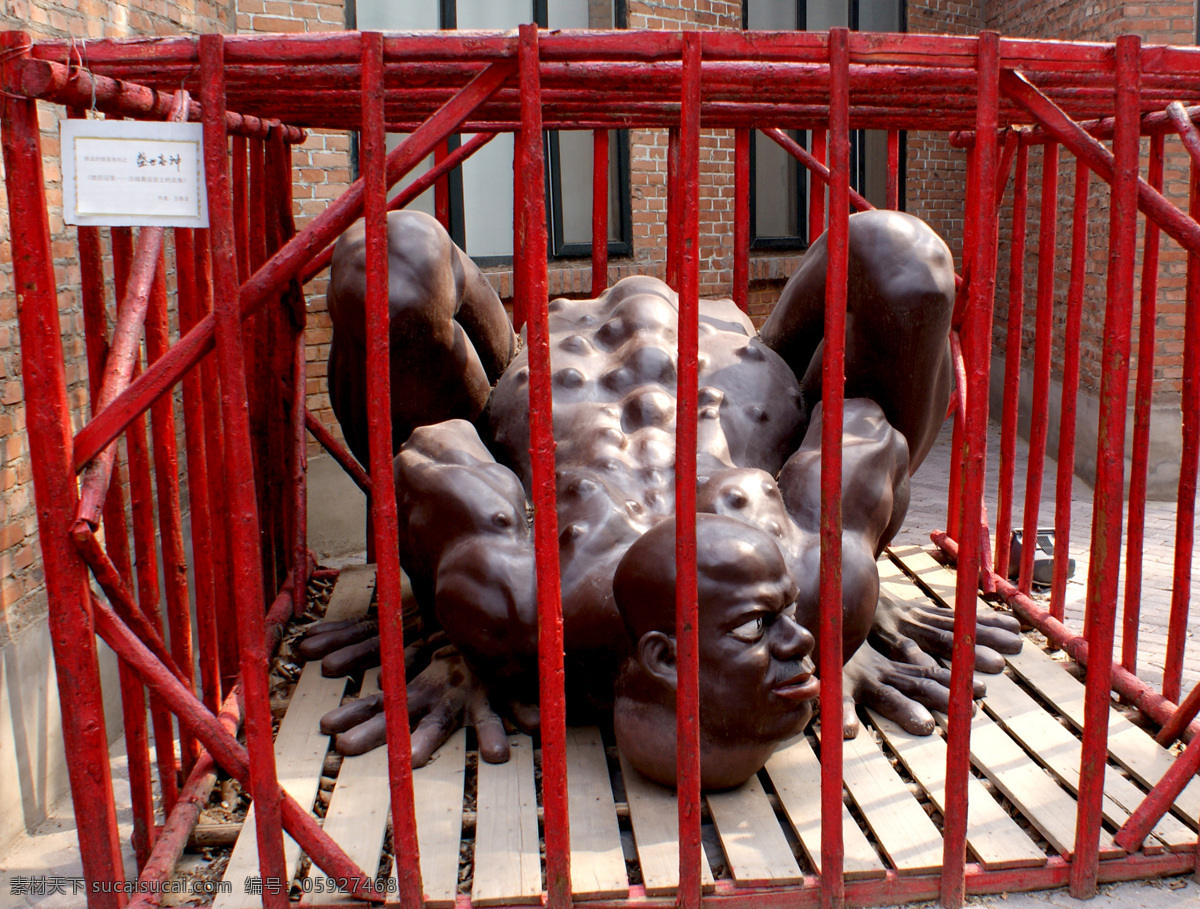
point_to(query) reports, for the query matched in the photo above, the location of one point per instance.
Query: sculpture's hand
(915, 633)
(899, 691)
(443, 696)
(350, 648)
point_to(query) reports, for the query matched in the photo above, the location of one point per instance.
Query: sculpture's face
(756, 681)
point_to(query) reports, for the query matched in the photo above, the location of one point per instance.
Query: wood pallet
(480, 822)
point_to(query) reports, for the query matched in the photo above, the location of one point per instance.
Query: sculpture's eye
(750, 631)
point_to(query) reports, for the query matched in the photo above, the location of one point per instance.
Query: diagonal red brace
(338, 451)
(232, 756)
(1183, 229)
(285, 265)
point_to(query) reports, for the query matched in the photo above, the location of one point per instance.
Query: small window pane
(378, 15)
(772, 15)
(494, 14)
(879, 16)
(582, 14)
(776, 209)
(826, 14)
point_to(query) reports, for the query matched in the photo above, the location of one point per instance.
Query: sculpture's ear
(656, 653)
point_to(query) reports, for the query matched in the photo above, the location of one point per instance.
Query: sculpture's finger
(1004, 621)
(489, 730)
(353, 659)
(1000, 638)
(433, 730)
(326, 637)
(527, 716)
(912, 717)
(850, 721)
(343, 718)
(363, 737)
(988, 660)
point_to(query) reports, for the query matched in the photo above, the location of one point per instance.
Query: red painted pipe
(1185, 513)
(684, 246)
(245, 565)
(170, 523)
(1160, 799)
(741, 219)
(1070, 391)
(49, 417)
(816, 193)
(674, 244)
(1012, 359)
(976, 342)
(1039, 423)
(379, 435)
(1110, 462)
(198, 495)
(338, 451)
(833, 380)
(797, 151)
(893, 170)
(1136, 522)
(599, 211)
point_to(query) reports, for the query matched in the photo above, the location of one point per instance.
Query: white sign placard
(127, 173)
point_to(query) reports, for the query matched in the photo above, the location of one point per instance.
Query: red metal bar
(338, 451)
(893, 169)
(1110, 463)
(77, 87)
(231, 755)
(49, 419)
(431, 177)
(133, 698)
(530, 287)
(238, 475)
(1070, 391)
(1182, 228)
(241, 205)
(673, 213)
(214, 446)
(1159, 800)
(1136, 522)
(441, 186)
(684, 245)
(797, 151)
(599, 211)
(383, 503)
(1042, 351)
(741, 219)
(1186, 129)
(198, 495)
(833, 379)
(816, 197)
(287, 263)
(170, 524)
(1180, 719)
(1012, 361)
(976, 342)
(962, 295)
(1185, 514)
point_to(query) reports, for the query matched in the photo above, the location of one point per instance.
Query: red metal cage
(245, 443)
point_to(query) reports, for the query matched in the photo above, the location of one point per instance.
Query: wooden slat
(507, 859)
(993, 837)
(597, 861)
(1129, 746)
(299, 744)
(357, 815)
(438, 803)
(754, 843)
(902, 828)
(1036, 794)
(1062, 754)
(654, 814)
(795, 773)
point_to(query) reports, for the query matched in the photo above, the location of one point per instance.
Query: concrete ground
(336, 534)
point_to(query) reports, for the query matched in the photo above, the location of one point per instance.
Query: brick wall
(22, 585)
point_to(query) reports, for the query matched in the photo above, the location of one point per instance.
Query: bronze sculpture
(464, 536)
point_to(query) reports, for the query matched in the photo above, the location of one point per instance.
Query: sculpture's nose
(790, 640)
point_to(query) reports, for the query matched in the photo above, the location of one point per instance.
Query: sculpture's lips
(801, 687)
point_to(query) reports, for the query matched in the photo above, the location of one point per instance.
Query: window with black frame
(481, 189)
(779, 184)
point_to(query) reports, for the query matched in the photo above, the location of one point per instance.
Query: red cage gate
(246, 445)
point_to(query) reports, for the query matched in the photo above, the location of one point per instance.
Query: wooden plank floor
(478, 823)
